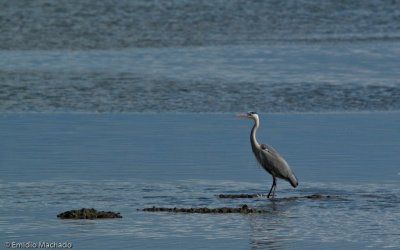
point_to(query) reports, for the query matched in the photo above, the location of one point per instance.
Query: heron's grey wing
(275, 162)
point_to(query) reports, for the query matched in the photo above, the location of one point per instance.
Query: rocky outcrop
(88, 213)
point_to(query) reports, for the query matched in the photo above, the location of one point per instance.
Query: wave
(132, 93)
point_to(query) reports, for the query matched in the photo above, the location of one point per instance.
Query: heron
(269, 158)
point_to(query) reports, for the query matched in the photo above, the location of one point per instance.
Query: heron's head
(251, 114)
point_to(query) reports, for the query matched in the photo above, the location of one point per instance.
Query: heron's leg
(273, 191)
(272, 187)
(270, 191)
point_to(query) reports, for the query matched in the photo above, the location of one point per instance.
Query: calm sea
(121, 105)
(199, 56)
(51, 163)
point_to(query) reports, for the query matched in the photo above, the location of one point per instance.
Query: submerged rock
(88, 213)
(237, 196)
(313, 196)
(204, 210)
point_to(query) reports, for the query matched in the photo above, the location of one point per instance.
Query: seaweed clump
(244, 209)
(89, 214)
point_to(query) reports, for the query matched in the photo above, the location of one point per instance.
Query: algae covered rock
(89, 214)
(244, 209)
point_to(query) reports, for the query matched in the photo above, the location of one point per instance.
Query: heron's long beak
(242, 115)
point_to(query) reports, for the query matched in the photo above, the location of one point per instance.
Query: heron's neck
(253, 139)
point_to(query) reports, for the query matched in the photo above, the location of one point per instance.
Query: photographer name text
(39, 244)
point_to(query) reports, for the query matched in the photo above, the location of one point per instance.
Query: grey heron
(269, 158)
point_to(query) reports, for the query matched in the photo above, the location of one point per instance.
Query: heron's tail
(293, 180)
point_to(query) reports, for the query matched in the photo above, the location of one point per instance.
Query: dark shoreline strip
(251, 196)
(204, 210)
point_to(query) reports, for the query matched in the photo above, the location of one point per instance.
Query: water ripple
(359, 214)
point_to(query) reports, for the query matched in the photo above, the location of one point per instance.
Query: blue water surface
(51, 163)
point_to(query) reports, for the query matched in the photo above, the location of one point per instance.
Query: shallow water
(123, 162)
